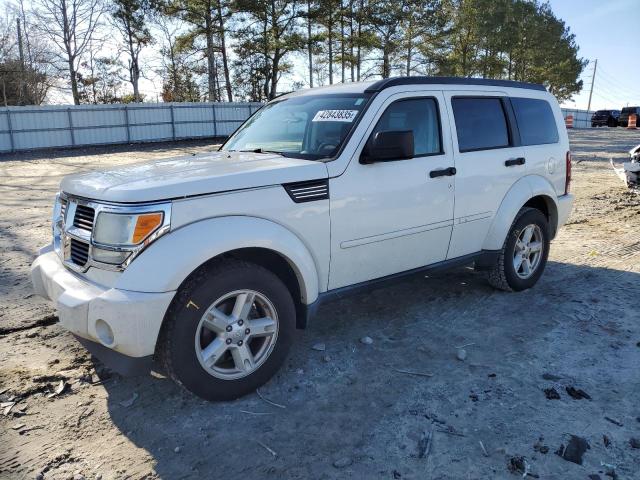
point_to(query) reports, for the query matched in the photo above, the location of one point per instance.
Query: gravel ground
(351, 410)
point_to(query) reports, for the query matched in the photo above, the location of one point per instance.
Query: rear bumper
(565, 205)
(119, 322)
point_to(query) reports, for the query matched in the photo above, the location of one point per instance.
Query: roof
(379, 85)
(395, 81)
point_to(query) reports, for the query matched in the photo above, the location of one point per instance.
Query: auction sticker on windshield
(335, 116)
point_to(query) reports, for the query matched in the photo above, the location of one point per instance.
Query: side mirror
(388, 146)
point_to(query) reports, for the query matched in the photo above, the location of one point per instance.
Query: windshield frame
(368, 98)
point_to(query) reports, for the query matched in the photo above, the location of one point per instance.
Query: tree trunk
(358, 56)
(274, 75)
(330, 39)
(210, 60)
(267, 70)
(134, 69)
(135, 77)
(386, 68)
(225, 60)
(309, 43)
(66, 36)
(351, 39)
(74, 83)
(342, 50)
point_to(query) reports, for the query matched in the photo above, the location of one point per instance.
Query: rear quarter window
(536, 122)
(481, 123)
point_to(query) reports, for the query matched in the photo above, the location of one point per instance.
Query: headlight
(120, 229)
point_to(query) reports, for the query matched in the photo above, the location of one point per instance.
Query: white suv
(206, 264)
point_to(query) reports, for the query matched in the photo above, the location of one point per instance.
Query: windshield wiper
(262, 150)
(305, 156)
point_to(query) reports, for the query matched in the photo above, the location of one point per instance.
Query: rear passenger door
(488, 161)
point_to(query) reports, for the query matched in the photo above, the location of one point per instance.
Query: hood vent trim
(308, 191)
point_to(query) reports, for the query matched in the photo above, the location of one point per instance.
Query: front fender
(169, 260)
(520, 192)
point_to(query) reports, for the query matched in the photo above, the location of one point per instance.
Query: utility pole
(593, 79)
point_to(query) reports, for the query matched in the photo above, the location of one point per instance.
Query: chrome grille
(79, 252)
(84, 217)
(63, 207)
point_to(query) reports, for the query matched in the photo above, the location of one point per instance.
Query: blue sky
(608, 30)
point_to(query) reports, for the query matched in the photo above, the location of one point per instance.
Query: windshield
(311, 126)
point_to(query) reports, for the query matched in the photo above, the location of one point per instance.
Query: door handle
(445, 172)
(515, 161)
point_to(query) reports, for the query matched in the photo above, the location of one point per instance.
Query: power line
(619, 84)
(613, 92)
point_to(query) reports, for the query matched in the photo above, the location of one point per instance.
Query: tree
(26, 75)
(269, 29)
(177, 73)
(22, 85)
(103, 81)
(513, 39)
(70, 25)
(387, 20)
(327, 16)
(425, 26)
(130, 19)
(208, 20)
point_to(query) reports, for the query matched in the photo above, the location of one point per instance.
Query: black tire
(176, 347)
(503, 275)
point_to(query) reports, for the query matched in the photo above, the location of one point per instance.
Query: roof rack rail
(395, 81)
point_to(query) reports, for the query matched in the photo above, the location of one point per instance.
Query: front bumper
(120, 323)
(565, 205)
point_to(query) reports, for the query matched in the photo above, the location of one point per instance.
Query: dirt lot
(349, 411)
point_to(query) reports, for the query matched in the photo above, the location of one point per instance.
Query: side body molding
(520, 192)
(169, 260)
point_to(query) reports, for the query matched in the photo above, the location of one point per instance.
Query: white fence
(52, 126)
(581, 118)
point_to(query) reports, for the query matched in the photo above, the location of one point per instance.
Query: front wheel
(524, 254)
(228, 330)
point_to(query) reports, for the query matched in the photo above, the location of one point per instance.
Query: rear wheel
(524, 254)
(228, 330)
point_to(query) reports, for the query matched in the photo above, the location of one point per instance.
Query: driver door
(389, 217)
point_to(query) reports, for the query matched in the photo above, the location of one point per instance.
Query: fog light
(109, 256)
(104, 333)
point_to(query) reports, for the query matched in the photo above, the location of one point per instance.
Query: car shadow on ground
(361, 410)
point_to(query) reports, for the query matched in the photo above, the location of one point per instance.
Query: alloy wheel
(236, 334)
(528, 251)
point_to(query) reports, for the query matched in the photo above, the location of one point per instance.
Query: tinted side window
(419, 115)
(480, 122)
(536, 122)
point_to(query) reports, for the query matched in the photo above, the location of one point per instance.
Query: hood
(191, 175)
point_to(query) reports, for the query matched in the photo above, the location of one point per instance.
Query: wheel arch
(173, 258)
(531, 191)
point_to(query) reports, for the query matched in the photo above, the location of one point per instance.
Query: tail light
(567, 184)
